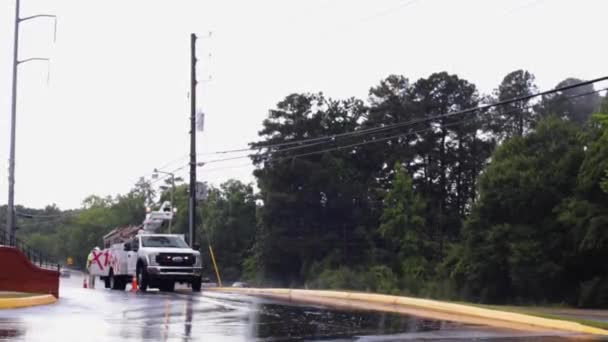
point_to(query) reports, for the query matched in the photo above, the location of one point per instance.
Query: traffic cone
(84, 282)
(134, 284)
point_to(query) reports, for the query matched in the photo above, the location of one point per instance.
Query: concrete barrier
(19, 274)
(26, 301)
(422, 307)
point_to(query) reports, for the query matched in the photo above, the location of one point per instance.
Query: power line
(332, 138)
(165, 176)
(415, 132)
(411, 122)
(375, 139)
(227, 167)
(371, 141)
(174, 161)
(60, 215)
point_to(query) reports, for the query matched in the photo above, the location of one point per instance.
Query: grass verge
(538, 312)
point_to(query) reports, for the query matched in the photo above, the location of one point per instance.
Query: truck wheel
(196, 285)
(142, 278)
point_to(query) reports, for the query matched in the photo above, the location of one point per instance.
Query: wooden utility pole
(192, 198)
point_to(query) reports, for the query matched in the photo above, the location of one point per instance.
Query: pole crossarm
(38, 16)
(20, 20)
(33, 59)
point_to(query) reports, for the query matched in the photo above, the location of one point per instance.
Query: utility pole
(192, 198)
(10, 215)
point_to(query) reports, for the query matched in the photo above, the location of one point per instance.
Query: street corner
(15, 300)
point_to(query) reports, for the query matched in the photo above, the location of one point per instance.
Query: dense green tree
(444, 178)
(586, 215)
(229, 226)
(314, 205)
(575, 104)
(403, 227)
(516, 118)
(514, 246)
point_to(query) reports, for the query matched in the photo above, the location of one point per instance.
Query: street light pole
(10, 217)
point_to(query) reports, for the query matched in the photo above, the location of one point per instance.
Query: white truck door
(122, 262)
(132, 256)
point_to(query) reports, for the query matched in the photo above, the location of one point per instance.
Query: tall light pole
(10, 216)
(156, 172)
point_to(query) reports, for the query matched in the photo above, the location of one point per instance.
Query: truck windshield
(163, 241)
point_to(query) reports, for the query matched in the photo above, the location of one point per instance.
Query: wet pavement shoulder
(422, 307)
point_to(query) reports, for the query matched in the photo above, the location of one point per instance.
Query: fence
(35, 257)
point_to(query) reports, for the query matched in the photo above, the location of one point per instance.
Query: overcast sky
(117, 102)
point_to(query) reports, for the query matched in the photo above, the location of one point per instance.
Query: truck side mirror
(127, 246)
(196, 247)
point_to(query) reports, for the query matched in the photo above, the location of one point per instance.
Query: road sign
(201, 191)
(70, 261)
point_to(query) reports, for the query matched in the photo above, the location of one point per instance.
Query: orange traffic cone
(84, 282)
(134, 284)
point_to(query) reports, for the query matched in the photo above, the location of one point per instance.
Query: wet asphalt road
(104, 315)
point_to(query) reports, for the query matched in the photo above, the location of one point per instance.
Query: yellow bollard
(217, 272)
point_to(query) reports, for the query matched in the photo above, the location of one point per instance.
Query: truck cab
(161, 260)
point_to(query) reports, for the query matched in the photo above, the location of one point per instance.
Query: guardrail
(39, 259)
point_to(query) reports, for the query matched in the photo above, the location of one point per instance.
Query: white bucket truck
(157, 260)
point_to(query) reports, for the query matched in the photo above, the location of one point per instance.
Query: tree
(585, 216)
(603, 120)
(575, 104)
(314, 206)
(516, 118)
(403, 227)
(442, 150)
(229, 226)
(514, 244)
(402, 220)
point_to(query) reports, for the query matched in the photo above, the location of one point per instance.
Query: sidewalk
(14, 300)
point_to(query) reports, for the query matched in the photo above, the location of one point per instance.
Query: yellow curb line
(22, 302)
(428, 304)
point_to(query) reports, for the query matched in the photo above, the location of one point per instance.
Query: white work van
(157, 260)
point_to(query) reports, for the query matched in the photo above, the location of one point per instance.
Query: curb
(22, 302)
(400, 304)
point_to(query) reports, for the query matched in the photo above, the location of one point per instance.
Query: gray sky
(116, 105)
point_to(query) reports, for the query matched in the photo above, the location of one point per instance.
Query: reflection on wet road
(104, 315)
